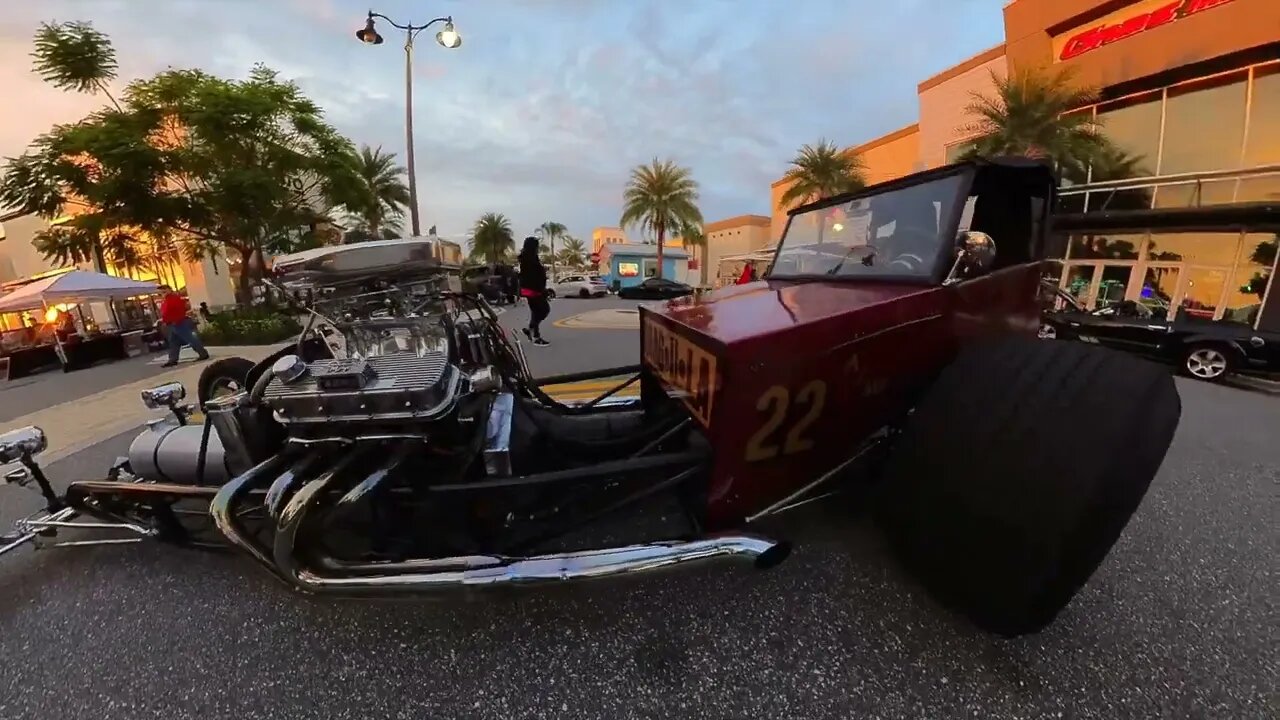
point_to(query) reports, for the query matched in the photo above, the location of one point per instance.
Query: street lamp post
(448, 38)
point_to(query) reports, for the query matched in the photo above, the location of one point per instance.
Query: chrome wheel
(1047, 332)
(1207, 363)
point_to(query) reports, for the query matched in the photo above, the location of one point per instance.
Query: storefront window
(1133, 124)
(1217, 192)
(1158, 287)
(1203, 292)
(1079, 280)
(1114, 284)
(1105, 247)
(957, 151)
(1263, 144)
(1253, 274)
(1204, 125)
(1196, 248)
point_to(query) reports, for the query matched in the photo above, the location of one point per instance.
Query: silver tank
(167, 452)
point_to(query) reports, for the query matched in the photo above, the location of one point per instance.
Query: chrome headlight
(23, 442)
(164, 396)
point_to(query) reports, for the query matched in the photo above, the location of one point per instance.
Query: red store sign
(1106, 34)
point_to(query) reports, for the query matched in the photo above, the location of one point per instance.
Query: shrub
(249, 326)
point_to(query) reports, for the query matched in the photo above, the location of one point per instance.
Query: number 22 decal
(777, 402)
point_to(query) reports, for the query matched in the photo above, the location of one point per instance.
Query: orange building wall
(943, 100)
(886, 158)
(1030, 26)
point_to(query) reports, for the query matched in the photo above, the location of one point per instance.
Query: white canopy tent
(74, 286)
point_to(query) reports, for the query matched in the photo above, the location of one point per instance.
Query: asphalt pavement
(1179, 622)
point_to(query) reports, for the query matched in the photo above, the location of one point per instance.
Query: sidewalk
(75, 425)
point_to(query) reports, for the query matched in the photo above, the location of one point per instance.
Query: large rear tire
(223, 376)
(1018, 471)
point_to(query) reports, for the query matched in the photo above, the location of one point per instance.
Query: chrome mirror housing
(164, 396)
(22, 443)
(975, 255)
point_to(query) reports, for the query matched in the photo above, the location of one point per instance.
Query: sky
(548, 104)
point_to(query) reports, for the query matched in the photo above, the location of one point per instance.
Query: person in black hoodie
(533, 288)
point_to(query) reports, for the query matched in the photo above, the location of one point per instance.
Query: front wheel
(224, 376)
(1047, 332)
(1207, 362)
(1017, 472)
(551, 293)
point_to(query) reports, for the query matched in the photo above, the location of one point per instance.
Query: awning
(74, 286)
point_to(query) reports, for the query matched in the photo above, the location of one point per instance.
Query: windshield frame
(947, 228)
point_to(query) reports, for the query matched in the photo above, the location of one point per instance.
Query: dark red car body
(789, 377)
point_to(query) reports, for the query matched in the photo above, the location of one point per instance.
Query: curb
(1245, 382)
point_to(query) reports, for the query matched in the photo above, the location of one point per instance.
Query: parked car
(583, 286)
(655, 289)
(1204, 349)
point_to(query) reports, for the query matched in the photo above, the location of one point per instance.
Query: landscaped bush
(258, 325)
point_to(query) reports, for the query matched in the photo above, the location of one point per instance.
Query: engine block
(395, 387)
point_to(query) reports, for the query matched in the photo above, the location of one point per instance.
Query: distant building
(630, 263)
(605, 235)
(731, 236)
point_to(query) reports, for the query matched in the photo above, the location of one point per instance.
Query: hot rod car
(402, 445)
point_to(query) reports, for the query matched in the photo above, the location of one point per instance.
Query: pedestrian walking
(533, 288)
(181, 329)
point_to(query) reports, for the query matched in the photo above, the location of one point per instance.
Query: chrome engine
(400, 387)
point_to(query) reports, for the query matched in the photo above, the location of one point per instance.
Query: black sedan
(655, 289)
(1204, 349)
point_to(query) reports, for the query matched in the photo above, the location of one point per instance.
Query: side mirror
(164, 396)
(22, 443)
(975, 255)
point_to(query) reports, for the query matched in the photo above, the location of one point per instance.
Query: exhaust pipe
(226, 503)
(421, 575)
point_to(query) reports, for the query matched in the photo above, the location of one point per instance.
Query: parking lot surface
(1180, 621)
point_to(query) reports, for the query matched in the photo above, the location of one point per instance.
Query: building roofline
(738, 221)
(981, 58)
(887, 138)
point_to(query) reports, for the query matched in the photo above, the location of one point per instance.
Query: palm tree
(573, 252)
(382, 195)
(550, 231)
(695, 239)
(820, 171)
(491, 237)
(1030, 115)
(660, 197)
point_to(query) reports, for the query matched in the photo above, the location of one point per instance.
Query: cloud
(549, 103)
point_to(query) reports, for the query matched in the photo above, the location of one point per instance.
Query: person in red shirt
(180, 328)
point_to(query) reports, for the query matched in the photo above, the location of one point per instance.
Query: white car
(583, 286)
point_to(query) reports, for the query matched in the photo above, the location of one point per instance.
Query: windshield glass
(893, 233)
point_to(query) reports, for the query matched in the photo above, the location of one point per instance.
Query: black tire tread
(232, 367)
(1018, 471)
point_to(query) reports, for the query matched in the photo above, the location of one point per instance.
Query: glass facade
(1221, 276)
(1225, 122)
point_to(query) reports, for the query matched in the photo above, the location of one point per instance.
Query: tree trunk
(662, 236)
(244, 295)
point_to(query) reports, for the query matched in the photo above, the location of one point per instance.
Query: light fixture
(51, 314)
(837, 227)
(368, 35)
(448, 37)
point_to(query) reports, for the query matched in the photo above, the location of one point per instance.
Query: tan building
(1190, 88)
(602, 236)
(731, 236)
(1147, 56)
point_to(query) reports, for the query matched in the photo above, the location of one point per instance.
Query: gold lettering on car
(777, 404)
(683, 366)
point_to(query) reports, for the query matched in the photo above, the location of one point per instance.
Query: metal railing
(1196, 179)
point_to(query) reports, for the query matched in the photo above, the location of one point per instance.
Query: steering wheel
(911, 260)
